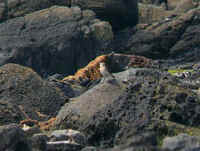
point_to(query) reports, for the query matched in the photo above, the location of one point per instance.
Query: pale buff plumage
(104, 71)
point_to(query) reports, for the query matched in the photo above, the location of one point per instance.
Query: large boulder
(13, 138)
(109, 113)
(10, 113)
(15, 8)
(173, 37)
(118, 12)
(54, 40)
(24, 88)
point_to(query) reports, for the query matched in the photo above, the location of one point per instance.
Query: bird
(104, 71)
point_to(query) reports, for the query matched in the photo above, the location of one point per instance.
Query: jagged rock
(10, 113)
(119, 13)
(13, 139)
(174, 38)
(15, 8)
(150, 13)
(182, 142)
(185, 5)
(39, 142)
(68, 135)
(148, 94)
(54, 40)
(23, 87)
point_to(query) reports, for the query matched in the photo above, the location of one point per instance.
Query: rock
(10, 113)
(107, 110)
(23, 87)
(150, 13)
(182, 142)
(63, 146)
(185, 5)
(68, 135)
(90, 148)
(39, 142)
(53, 40)
(119, 13)
(15, 8)
(174, 38)
(13, 139)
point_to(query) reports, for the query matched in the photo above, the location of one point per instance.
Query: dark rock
(15, 8)
(182, 142)
(119, 13)
(23, 87)
(10, 113)
(54, 40)
(13, 139)
(106, 111)
(175, 37)
(39, 142)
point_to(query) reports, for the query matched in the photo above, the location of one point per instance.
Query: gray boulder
(13, 139)
(54, 40)
(182, 142)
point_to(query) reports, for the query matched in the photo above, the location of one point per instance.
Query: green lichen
(175, 71)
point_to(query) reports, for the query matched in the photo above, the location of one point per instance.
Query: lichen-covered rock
(182, 142)
(13, 139)
(147, 95)
(54, 40)
(10, 113)
(15, 8)
(176, 37)
(23, 87)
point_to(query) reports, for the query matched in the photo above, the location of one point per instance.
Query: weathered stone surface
(147, 94)
(182, 142)
(23, 87)
(10, 113)
(150, 13)
(177, 37)
(16, 8)
(39, 142)
(118, 12)
(13, 139)
(54, 40)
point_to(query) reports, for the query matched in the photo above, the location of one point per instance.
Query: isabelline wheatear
(104, 71)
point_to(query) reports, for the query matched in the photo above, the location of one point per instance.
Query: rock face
(108, 114)
(174, 37)
(22, 87)
(182, 142)
(54, 40)
(15, 8)
(118, 12)
(13, 139)
(10, 113)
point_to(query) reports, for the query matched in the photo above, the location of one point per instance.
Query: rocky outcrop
(182, 142)
(54, 40)
(22, 87)
(15, 8)
(175, 37)
(109, 113)
(120, 13)
(151, 13)
(13, 139)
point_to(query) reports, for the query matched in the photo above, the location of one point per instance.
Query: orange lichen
(139, 61)
(29, 122)
(47, 124)
(91, 71)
